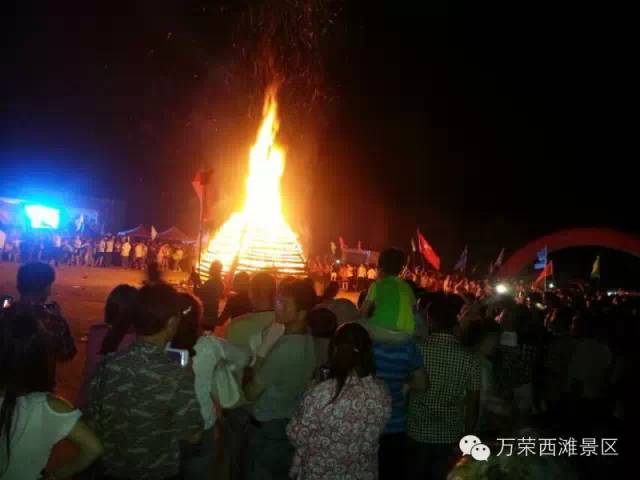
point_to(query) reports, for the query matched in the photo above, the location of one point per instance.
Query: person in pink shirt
(114, 334)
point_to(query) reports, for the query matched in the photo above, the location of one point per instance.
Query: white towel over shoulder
(218, 367)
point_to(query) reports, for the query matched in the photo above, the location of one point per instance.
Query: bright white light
(43, 217)
(501, 288)
(551, 285)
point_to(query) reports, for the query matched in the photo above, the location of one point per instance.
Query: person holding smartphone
(34, 281)
(141, 403)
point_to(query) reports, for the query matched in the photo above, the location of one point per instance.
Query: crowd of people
(285, 383)
(350, 277)
(358, 277)
(107, 251)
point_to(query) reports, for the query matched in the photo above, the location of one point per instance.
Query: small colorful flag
(343, 245)
(595, 270)
(428, 252)
(154, 232)
(542, 259)
(546, 272)
(461, 265)
(500, 258)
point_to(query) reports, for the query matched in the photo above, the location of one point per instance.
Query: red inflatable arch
(576, 237)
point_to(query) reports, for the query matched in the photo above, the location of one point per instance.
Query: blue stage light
(43, 217)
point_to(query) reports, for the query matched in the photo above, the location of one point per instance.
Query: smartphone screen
(179, 356)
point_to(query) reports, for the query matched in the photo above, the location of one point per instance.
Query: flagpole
(202, 204)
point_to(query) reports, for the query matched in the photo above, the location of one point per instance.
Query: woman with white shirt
(31, 420)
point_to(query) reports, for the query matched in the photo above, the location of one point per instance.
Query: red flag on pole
(199, 183)
(427, 251)
(546, 272)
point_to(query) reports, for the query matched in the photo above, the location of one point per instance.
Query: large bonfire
(258, 237)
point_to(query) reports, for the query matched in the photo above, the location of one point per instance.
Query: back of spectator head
(391, 262)
(34, 281)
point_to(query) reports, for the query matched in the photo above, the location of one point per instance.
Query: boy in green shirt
(390, 300)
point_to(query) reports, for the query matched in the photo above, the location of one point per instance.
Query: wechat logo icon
(472, 445)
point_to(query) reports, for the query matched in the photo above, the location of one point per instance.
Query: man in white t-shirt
(102, 245)
(372, 275)
(350, 274)
(139, 255)
(334, 275)
(125, 252)
(9, 251)
(77, 246)
(3, 239)
(108, 252)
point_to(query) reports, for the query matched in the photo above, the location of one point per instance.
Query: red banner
(428, 252)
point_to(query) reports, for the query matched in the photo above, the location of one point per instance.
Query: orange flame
(259, 237)
(266, 166)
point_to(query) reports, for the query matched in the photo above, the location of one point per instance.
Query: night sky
(483, 123)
